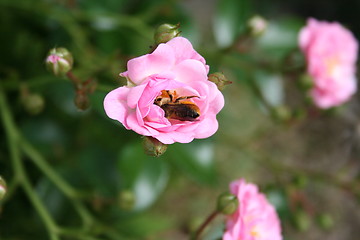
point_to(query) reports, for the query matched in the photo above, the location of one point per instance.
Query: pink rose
(255, 218)
(168, 95)
(330, 51)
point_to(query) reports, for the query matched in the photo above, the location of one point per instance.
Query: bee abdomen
(182, 112)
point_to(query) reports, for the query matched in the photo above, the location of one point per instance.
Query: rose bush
(330, 51)
(173, 66)
(255, 217)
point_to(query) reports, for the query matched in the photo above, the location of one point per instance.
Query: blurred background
(305, 160)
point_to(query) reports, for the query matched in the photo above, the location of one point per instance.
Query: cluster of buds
(60, 61)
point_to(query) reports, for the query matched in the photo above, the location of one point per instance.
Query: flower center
(331, 64)
(177, 107)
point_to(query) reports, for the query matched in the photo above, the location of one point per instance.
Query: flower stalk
(202, 227)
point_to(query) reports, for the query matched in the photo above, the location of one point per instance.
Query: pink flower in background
(168, 95)
(255, 218)
(331, 52)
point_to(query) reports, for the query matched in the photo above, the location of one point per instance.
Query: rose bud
(2, 188)
(33, 103)
(126, 200)
(227, 203)
(219, 79)
(154, 147)
(81, 101)
(59, 61)
(257, 25)
(166, 32)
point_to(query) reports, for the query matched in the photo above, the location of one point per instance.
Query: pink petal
(134, 95)
(189, 71)
(217, 101)
(161, 60)
(164, 138)
(184, 50)
(133, 124)
(115, 104)
(207, 127)
(171, 137)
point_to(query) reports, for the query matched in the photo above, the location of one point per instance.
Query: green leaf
(96, 170)
(145, 176)
(280, 37)
(230, 20)
(271, 87)
(279, 200)
(196, 160)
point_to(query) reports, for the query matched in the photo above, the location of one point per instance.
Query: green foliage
(230, 20)
(75, 174)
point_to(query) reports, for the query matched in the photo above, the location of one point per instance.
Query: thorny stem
(202, 227)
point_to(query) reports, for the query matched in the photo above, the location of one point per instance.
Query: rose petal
(184, 50)
(190, 71)
(171, 137)
(115, 104)
(134, 95)
(207, 127)
(216, 100)
(133, 124)
(161, 60)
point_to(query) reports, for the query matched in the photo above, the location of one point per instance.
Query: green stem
(84, 214)
(12, 138)
(59, 182)
(75, 234)
(202, 227)
(47, 169)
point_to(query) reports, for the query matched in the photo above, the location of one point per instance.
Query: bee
(176, 107)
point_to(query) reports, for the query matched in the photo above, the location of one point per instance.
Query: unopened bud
(306, 82)
(282, 113)
(302, 220)
(227, 203)
(166, 32)
(257, 25)
(82, 101)
(300, 181)
(59, 61)
(2, 188)
(219, 79)
(126, 200)
(33, 103)
(154, 147)
(325, 221)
